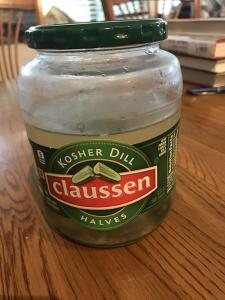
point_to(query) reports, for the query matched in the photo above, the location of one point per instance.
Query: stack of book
(200, 48)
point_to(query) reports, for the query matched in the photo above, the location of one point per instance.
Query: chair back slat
(1, 56)
(10, 25)
(4, 65)
(17, 32)
(9, 41)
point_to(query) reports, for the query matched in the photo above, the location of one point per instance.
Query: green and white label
(104, 184)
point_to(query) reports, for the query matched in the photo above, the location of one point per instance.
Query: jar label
(104, 184)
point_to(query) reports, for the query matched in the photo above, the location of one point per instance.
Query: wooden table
(183, 259)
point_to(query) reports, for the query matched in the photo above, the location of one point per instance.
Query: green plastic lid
(96, 34)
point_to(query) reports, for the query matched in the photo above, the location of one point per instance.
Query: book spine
(190, 46)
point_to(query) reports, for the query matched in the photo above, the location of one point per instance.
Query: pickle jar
(101, 105)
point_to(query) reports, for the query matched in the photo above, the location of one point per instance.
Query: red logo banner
(101, 194)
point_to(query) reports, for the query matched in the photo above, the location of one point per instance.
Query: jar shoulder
(117, 93)
(76, 65)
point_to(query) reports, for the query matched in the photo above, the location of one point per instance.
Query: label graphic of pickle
(101, 184)
(106, 172)
(83, 175)
(105, 184)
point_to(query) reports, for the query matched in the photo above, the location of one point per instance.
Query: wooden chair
(9, 36)
(127, 9)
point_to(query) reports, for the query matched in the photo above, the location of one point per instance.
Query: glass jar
(101, 105)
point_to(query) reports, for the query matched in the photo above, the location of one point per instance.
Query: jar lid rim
(96, 34)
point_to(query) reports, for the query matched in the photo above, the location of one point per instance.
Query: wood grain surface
(183, 259)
